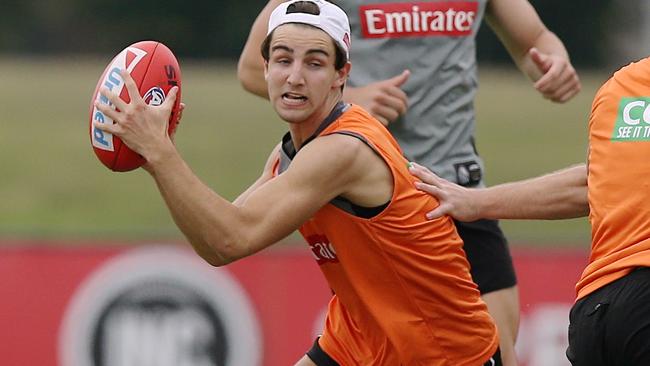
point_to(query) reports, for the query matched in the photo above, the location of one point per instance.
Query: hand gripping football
(155, 70)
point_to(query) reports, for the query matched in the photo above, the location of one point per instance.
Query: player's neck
(301, 132)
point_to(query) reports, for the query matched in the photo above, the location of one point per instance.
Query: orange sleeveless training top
(403, 292)
(619, 178)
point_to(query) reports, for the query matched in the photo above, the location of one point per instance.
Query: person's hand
(181, 108)
(385, 99)
(455, 201)
(559, 81)
(142, 127)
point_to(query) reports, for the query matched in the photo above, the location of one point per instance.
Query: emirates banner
(161, 305)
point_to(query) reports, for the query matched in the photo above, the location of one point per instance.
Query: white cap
(332, 20)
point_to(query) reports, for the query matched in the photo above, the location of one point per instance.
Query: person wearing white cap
(415, 70)
(403, 294)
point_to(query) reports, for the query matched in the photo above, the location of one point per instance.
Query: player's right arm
(558, 195)
(221, 231)
(250, 68)
(537, 51)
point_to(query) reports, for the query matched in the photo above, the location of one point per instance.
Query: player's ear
(342, 76)
(266, 70)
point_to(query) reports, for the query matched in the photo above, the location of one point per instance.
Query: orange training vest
(403, 291)
(619, 178)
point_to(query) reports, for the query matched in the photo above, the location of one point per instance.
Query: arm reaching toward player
(559, 195)
(538, 52)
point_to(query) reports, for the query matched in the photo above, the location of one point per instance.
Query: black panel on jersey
(288, 152)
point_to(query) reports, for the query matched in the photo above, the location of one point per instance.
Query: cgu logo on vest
(418, 19)
(632, 120)
(322, 250)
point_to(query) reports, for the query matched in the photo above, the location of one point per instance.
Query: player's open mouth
(293, 98)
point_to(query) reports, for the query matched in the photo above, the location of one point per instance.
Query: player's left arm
(558, 195)
(537, 51)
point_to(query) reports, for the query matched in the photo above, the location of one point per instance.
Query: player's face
(300, 73)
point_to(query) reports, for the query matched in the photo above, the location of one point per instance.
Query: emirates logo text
(418, 19)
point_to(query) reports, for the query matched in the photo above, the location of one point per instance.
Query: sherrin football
(155, 70)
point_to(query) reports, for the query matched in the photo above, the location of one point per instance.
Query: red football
(155, 70)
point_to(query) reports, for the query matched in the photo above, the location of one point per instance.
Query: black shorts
(487, 252)
(320, 358)
(611, 326)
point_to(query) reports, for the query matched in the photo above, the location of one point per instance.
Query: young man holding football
(415, 70)
(403, 292)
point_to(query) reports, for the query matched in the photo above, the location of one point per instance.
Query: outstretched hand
(142, 127)
(385, 99)
(559, 81)
(455, 200)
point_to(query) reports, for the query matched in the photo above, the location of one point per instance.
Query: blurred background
(52, 53)
(56, 197)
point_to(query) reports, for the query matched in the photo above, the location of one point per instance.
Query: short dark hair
(307, 7)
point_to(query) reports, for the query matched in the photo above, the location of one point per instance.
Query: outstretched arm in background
(558, 195)
(537, 51)
(250, 68)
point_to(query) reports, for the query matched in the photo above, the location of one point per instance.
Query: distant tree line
(583, 26)
(218, 28)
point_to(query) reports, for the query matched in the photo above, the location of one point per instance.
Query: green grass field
(53, 186)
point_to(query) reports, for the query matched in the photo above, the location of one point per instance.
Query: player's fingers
(566, 84)
(400, 79)
(431, 189)
(421, 173)
(181, 108)
(107, 110)
(384, 114)
(113, 98)
(441, 210)
(399, 99)
(562, 96)
(168, 103)
(381, 119)
(541, 60)
(134, 94)
(171, 97)
(566, 91)
(396, 103)
(424, 174)
(569, 95)
(107, 127)
(549, 80)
